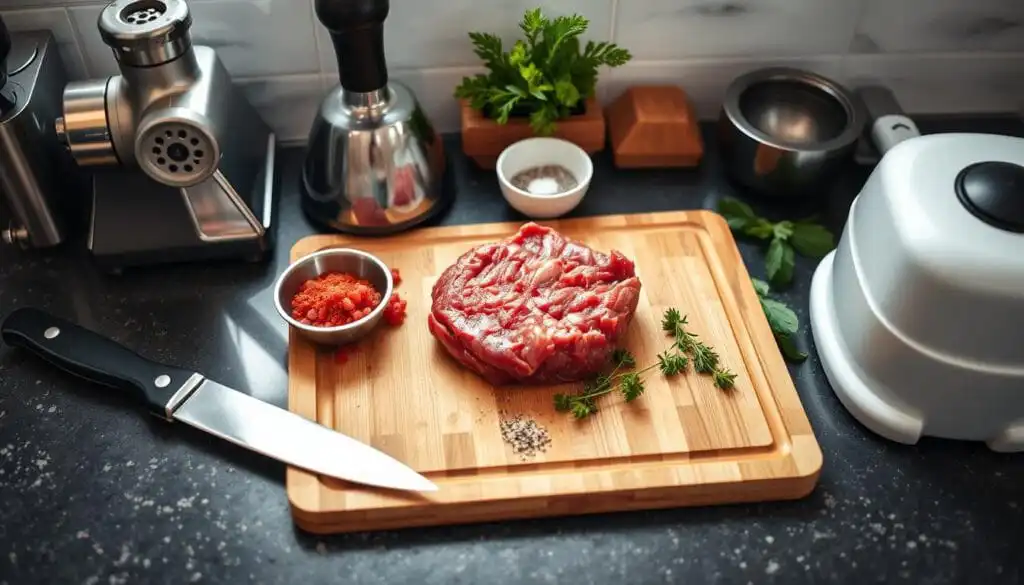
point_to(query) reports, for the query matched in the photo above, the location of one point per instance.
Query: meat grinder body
(183, 165)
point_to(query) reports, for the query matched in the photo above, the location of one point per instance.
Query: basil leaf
(781, 318)
(779, 262)
(812, 240)
(737, 213)
(759, 228)
(783, 230)
(737, 223)
(760, 287)
(789, 349)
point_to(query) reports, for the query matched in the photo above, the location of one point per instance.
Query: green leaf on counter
(779, 262)
(782, 230)
(789, 349)
(782, 321)
(737, 214)
(786, 238)
(781, 318)
(812, 240)
(761, 229)
(760, 287)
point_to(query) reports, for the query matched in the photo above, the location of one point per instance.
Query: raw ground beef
(534, 308)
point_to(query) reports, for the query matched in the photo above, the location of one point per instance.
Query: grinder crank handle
(357, 31)
(93, 357)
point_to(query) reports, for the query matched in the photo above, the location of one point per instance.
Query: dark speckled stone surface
(92, 493)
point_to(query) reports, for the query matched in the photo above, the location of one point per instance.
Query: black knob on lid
(994, 192)
(357, 30)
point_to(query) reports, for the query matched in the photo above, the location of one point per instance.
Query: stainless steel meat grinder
(183, 165)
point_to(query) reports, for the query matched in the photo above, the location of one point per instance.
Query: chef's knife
(175, 394)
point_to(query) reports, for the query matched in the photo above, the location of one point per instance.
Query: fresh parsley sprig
(785, 238)
(544, 76)
(782, 320)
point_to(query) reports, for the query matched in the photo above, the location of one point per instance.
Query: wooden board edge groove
(755, 491)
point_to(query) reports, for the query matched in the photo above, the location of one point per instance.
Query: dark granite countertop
(92, 493)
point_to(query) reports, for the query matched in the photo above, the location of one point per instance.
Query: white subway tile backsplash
(56, 21)
(426, 34)
(18, 4)
(705, 80)
(287, 103)
(945, 83)
(433, 88)
(941, 26)
(683, 29)
(937, 55)
(254, 38)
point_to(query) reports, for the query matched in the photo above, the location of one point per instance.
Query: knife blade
(176, 394)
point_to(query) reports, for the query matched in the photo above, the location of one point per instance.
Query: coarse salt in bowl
(543, 196)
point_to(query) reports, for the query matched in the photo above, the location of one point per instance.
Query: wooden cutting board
(683, 443)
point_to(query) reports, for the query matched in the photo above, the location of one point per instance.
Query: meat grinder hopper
(374, 163)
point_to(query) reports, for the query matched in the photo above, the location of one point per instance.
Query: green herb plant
(785, 238)
(544, 76)
(781, 319)
(685, 349)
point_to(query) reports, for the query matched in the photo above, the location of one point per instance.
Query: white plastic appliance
(918, 315)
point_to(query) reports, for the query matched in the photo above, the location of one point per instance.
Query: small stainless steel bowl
(355, 262)
(786, 131)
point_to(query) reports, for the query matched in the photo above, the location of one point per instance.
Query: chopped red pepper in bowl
(334, 296)
(333, 299)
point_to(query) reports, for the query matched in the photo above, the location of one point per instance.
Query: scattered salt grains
(526, 437)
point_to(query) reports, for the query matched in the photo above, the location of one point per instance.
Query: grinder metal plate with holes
(184, 165)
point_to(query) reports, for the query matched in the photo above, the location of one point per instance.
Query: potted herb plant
(543, 86)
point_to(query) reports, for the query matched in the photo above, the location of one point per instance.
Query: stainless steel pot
(786, 132)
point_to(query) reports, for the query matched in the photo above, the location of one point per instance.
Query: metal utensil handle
(94, 357)
(889, 125)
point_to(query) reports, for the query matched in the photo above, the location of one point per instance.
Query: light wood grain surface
(683, 443)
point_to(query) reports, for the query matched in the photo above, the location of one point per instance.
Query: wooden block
(683, 443)
(483, 139)
(654, 126)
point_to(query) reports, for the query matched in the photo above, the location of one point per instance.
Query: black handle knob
(357, 30)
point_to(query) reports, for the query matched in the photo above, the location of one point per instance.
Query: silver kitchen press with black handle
(374, 164)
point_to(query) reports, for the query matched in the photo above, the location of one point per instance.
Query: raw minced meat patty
(534, 308)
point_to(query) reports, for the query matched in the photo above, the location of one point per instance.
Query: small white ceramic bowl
(533, 152)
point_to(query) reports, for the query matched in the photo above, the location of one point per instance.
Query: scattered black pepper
(526, 437)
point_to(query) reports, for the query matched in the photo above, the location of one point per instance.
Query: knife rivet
(51, 333)
(162, 381)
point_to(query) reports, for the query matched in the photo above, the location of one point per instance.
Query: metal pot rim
(854, 117)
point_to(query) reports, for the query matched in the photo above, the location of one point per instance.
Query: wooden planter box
(483, 139)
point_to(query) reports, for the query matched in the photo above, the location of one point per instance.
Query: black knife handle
(96, 358)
